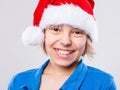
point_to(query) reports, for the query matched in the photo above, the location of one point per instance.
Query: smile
(64, 52)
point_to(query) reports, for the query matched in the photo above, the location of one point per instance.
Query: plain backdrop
(17, 15)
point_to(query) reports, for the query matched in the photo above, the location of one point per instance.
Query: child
(65, 29)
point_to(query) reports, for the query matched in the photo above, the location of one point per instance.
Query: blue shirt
(83, 78)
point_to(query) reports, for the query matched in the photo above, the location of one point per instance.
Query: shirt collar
(38, 75)
(76, 79)
(73, 82)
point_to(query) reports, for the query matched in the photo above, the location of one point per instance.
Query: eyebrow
(79, 29)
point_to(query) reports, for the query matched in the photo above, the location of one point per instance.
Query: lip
(63, 53)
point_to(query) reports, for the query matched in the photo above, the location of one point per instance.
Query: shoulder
(98, 72)
(100, 78)
(22, 79)
(30, 73)
(26, 74)
(28, 78)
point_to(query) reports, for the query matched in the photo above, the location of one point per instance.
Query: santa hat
(77, 13)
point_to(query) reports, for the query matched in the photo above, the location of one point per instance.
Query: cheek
(48, 38)
(49, 42)
(81, 47)
(81, 44)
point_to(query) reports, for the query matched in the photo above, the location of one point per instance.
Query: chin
(65, 63)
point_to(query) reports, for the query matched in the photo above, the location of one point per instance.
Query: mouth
(63, 53)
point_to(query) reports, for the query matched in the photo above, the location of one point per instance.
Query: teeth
(63, 52)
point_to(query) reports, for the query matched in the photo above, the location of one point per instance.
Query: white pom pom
(32, 36)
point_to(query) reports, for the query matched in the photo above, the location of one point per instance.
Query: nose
(66, 40)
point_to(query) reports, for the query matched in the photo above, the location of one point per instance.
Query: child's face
(64, 44)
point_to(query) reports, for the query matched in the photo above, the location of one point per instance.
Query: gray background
(16, 15)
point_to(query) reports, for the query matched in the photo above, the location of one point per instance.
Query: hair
(89, 49)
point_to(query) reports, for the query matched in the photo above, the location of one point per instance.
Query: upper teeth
(63, 52)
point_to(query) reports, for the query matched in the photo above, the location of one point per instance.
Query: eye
(78, 32)
(54, 28)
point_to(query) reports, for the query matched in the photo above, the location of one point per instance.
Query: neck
(60, 70)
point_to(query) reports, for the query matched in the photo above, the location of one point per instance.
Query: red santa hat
(77, 13)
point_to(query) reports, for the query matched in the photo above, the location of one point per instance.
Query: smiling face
(64, 44)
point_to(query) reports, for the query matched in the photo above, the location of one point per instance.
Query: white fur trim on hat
(64, 14)
(32, 36)
(71, 15)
